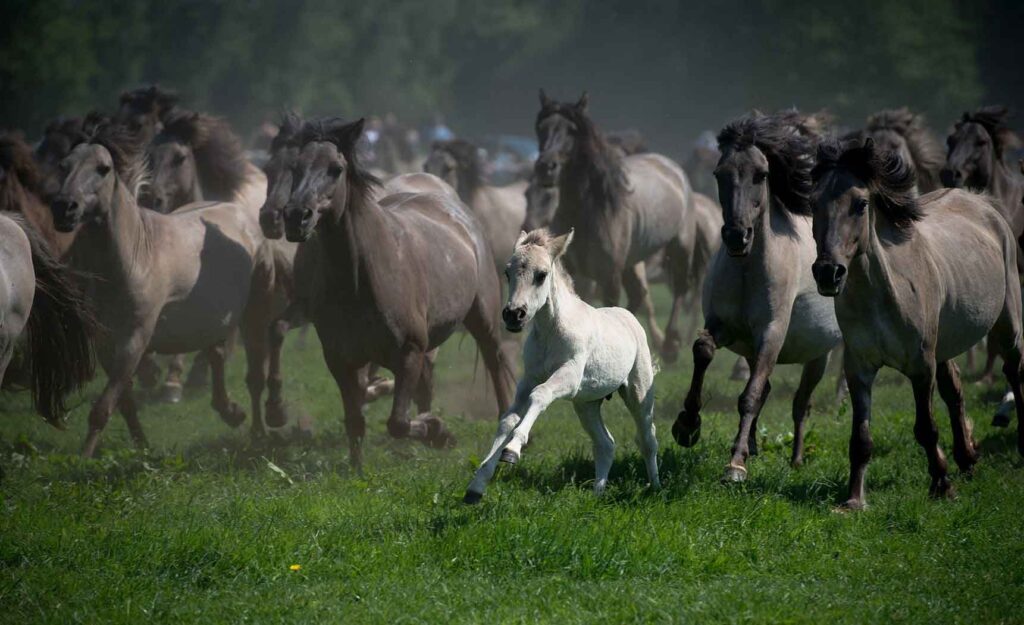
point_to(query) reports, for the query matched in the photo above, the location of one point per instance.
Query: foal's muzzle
(829, 276)
(737, 241)
(514, 318)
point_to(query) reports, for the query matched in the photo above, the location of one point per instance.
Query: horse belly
(963, 324)
(612, 357)
(813, 329)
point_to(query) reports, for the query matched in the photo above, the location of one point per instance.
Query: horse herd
(149, 231)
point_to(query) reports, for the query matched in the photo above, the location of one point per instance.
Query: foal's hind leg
(589, 414)
(686, 429)
(638, 297)
(638, 395)
(812, 374)
(947, 377)
(229, 411)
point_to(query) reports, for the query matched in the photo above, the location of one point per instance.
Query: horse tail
(59, 333)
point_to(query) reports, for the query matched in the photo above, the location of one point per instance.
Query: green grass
(206, 525)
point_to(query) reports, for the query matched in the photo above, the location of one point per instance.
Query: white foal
(574, 351)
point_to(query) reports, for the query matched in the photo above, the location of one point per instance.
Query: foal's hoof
(276, 415)
(686, 429)
(233, 415)
(509, 457)
(472, 498)
(1000, 420)
(171, 393)
(734, 474)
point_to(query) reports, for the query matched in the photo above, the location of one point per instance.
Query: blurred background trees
(669, 68)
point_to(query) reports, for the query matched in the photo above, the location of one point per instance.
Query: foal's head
(764, 157)
(327, 176)
(531, 272)
(90, 174)
(851, 181)
(284, 154)
(975, 146)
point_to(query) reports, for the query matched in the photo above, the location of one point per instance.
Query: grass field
(206, 525)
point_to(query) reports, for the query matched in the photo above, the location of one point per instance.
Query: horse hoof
(686, 429)
(942, 489)
(796, 463)
(276, 415)
(509, 457)
(670, 352)
(234, 416)
(1000, 420)
(472, 498)
(734, 474)
(198, 377)
(851, 505)
(171, 393)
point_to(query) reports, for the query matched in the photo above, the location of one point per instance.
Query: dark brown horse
(624, 210)
(22, 190)
(397, 278)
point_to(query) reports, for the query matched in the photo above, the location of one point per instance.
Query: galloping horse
(501, 210)
(908, 297)
(624, 210)
(759, 297)
(170, 283)
(387, 291)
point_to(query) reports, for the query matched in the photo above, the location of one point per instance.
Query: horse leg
(1006, 335)
(120, 363)
(752, 399)
(638, 297)
(172, 389)
(988, 374)
(130, 411)
(947, 378)
(506, 425)
(926, 432)
(424, 397)
(352, 389)
(229, 411)
(686, 429)
(740, 370)
(859, 379)
(589, 414)
(427, 429)
(199, 374)
(148, 371)
(482, 325)
(638, 395)
(809, 379)
(257, 356)
(275, 414)
(376, 386)
(679, 276)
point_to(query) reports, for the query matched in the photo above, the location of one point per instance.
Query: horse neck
(195, 192)
(357, 246)
(871, 276)
(119, 241)
(1002, 183)
(555, 315)
(14, 197)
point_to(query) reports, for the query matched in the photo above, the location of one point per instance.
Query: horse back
(659, 203)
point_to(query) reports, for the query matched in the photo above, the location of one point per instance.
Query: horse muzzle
(272, 224)
(66, 214)
(737, 241)
(299, 224)
(514, 318)
(829, 276)
(951, 178)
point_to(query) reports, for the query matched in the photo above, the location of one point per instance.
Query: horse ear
(545, 101)
(558, 245)
(869, 145)
(583, 102)
(520, 239)
(351, 133)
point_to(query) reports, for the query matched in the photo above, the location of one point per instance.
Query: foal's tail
(59, 333)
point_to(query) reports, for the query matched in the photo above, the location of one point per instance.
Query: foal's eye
(103, 170)
(539, 277)
(760, 177)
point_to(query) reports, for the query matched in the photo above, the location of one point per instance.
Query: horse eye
(335, 170)
(539, 277)
(860, 205)
(103, 170)
(178, 160)
(759, 177)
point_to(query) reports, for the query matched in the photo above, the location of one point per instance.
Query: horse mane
(891, 181)
(541, 237)
(17, 162)
(603, 184)
(126, 150)
(787, 140)
(288, 132)
(220, 159)
(345, 136)
(994, 120)
(150, 100)
(924, 147)
(467, 159)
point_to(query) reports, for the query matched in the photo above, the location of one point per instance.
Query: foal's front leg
(529, 403)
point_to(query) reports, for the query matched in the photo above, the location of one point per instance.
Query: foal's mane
(603, 181)
(891, 181)
(345, 136)
(125, 147)
(787, 140)
(541, 238)
(19, 168)
(924, 147)
(220, 160)
(467, 160)
(994, 120)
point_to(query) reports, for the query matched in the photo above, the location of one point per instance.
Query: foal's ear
(558, 245)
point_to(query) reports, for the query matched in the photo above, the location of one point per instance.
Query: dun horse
(387, 292)
(625, 210)
(575, 352)
(907, 297)
(759, 296)
(501, 210)
(169, 283)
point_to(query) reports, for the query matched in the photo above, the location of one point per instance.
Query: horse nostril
(840, 271)
(520, 314)
(307, 214)
(749, 234)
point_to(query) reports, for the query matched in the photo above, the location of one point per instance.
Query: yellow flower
(295, 567)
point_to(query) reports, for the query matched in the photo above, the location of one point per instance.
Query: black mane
(345, 136)
(220, 159)
(891, 181)
(787, 140)
(994, 120)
